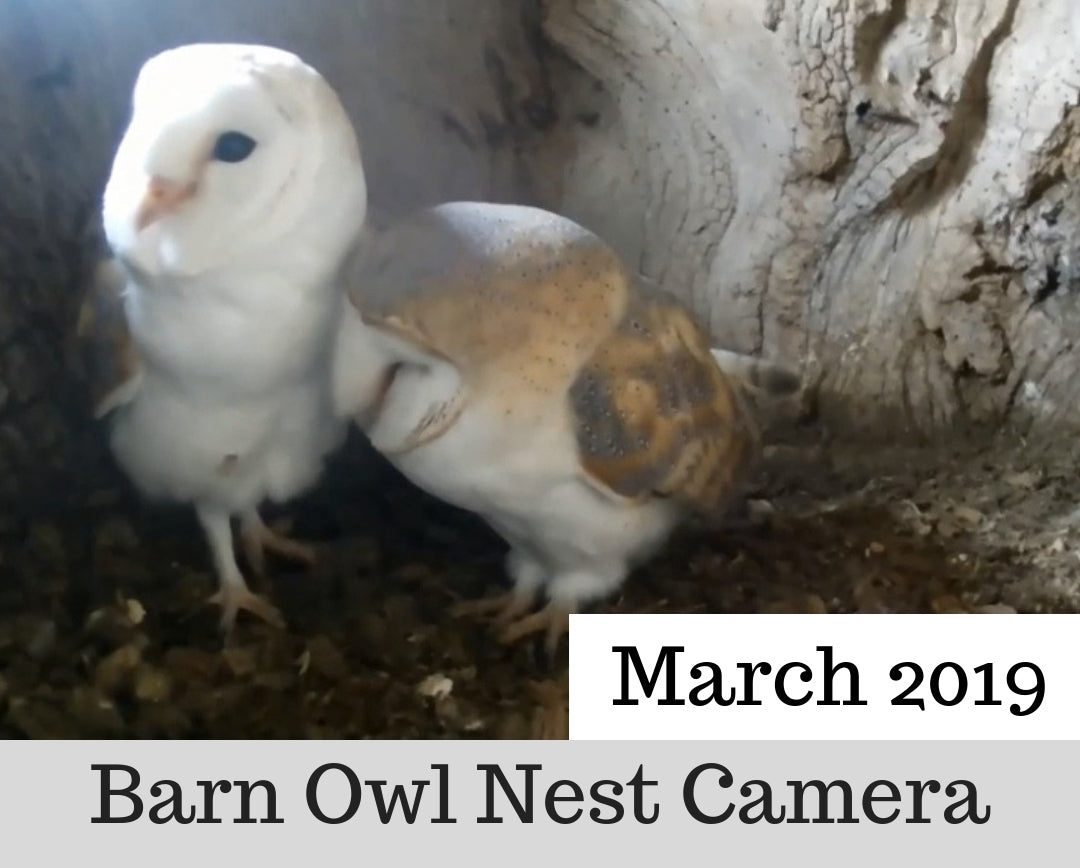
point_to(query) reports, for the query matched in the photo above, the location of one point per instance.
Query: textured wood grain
(881, 191)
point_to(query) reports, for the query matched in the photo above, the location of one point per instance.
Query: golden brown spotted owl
(506, 360)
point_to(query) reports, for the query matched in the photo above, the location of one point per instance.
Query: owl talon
(233, 599)
(553, 620)
(257, 539)
(501, 609)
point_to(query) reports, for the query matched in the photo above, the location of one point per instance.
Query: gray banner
(887, 803)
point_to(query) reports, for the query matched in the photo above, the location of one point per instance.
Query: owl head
(234, 156)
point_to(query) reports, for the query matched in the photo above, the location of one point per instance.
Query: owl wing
(654, 414)
(473, 298)
(421, 392)
(108, 353)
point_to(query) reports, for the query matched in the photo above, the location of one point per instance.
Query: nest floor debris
(104, 632)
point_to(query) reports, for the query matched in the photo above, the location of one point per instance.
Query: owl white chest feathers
(233, 406)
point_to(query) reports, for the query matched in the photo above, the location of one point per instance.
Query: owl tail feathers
(777, 396)
(761, 378)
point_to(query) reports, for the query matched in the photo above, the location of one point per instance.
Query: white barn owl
(234, 194)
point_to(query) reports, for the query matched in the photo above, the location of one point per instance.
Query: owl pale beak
(162, 197)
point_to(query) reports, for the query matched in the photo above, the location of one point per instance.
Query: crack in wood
(871, 36)
(928, 182)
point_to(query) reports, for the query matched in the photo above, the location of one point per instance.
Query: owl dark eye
(233, 147)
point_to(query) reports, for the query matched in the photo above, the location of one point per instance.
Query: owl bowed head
(234, 195)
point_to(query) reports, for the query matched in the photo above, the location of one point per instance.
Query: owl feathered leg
(233, 593)
(566, 591)
(527, 575)
(257, 539)
(553, 621)
(511, 611)
(497, 607)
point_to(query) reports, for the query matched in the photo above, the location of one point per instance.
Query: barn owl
(505, 360)
(234, 194)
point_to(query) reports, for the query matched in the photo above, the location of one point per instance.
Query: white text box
(768, 677)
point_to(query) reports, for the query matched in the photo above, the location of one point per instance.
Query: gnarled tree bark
(881, 189)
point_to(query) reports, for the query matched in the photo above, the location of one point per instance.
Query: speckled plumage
(539, 383)
(655, 414)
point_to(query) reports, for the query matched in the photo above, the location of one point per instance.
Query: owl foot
(257, 539)
(502, 608)
(234, 597)
(553, 620)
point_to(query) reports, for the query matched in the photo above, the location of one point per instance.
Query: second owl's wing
(421, 393)
(106, 348)
(655, 416)
(474, 299)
